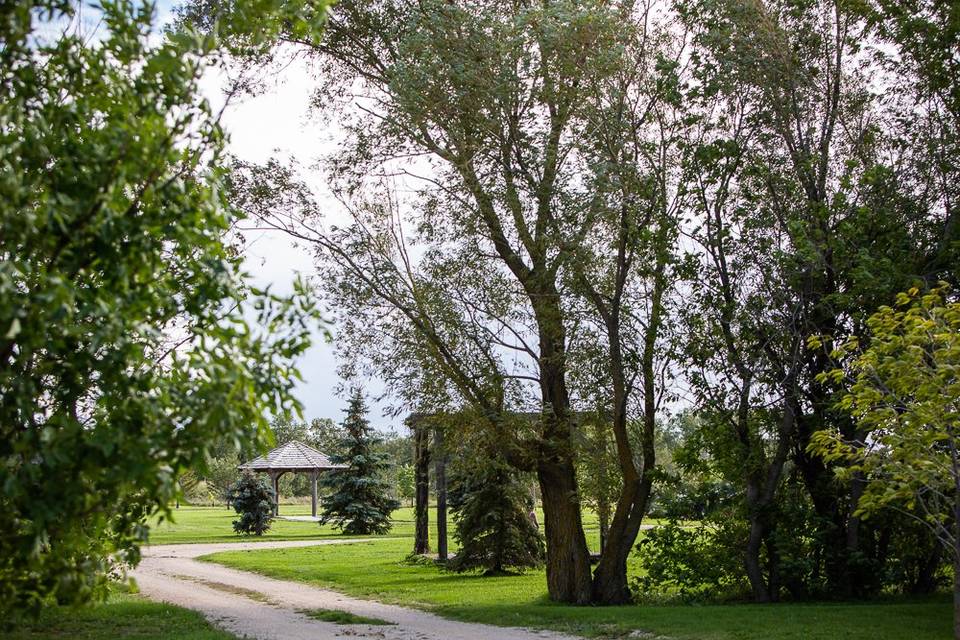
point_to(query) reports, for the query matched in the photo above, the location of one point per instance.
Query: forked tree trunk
(610, 584)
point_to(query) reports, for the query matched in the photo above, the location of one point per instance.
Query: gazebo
(293, 457)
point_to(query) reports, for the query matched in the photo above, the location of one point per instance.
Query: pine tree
(491, 511)
(253, 500)
(359, 503)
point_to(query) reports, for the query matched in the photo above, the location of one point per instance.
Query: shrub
(253, 499)
(700, 562)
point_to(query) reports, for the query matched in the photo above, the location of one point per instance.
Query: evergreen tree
(253, 499)
(491, 511)
(359, 502)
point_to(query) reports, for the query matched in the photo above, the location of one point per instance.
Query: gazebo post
(313, 493)
(276, 492)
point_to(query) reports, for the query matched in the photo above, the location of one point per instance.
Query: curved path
(254, 606)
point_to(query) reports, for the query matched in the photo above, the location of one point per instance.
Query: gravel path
(254, 606)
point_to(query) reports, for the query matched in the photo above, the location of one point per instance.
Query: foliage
(491, 512)
(125, 348)
(253, 499)
(905, 396)
(406, 482)
(695, 562)
(359, 503)
(221, 473)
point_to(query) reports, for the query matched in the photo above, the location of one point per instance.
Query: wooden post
(421, 439)
(276, 492)
(440, 470)
(313, 493)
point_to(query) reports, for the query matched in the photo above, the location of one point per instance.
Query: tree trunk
(751, 558)
(440, 472)
(610, 584)
(568, 559)
(926, 580)
(956, 593)
(421, 539)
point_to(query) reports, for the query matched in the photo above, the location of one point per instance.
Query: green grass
(214, 524)
(342, 617)
(375, 569)
(122, 616)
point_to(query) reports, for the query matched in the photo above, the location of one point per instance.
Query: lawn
(214, 524)
(375, 569)
(122, 616)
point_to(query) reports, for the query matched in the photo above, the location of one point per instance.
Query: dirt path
(254, 606)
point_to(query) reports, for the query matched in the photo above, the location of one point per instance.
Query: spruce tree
(491, 511)
(359, 503)
(253, 499)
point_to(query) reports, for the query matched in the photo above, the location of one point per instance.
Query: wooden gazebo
(293, 457)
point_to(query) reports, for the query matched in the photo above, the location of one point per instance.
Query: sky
(276, 123)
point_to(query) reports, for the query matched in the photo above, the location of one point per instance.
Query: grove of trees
(623, 209)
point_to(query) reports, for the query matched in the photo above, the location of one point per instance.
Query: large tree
(124, 345)
(542, 139)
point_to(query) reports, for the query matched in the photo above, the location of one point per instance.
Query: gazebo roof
(293, 456)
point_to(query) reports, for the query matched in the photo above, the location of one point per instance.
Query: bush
(253, 499)
(700, 562)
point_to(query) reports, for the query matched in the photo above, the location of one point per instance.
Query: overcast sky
(277, 123)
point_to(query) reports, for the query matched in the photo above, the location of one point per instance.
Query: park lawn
(375, 569)
(214, 524)
(122, 616)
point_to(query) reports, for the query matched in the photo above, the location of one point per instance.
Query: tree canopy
(129, 337)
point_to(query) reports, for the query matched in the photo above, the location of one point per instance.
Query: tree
(905, 396)
(221, 473)
(549, 133)
(124, 345)
(253, 499)
(491, 517)
(789, 165)
(406, 487)
(359, 503)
